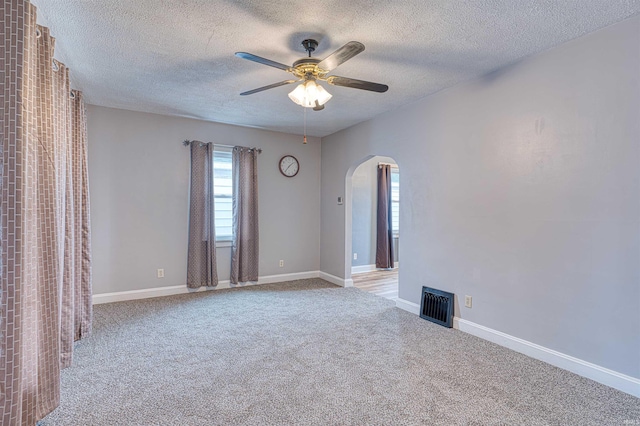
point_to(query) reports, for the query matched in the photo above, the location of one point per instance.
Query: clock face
(289, 166)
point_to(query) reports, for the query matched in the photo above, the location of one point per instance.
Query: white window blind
(395, 200)
(222, 193)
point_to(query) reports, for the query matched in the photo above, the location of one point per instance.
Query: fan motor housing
(306, 62)
(307, 66)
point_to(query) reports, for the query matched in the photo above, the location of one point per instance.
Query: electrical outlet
(467, 301)
(160, 273)
(282, 263)
(355, 256)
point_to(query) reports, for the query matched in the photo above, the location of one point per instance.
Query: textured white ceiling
(177, 56)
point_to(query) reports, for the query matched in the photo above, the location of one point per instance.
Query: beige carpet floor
(309, 353)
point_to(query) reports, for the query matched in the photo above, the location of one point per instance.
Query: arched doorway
(361, 227)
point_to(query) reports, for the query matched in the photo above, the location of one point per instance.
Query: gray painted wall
(521, 189)
(364, 210)
(139, 181)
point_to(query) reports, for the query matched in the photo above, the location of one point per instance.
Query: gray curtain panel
(384, 231)
(201, 258)
(244, 249)
(45, 301)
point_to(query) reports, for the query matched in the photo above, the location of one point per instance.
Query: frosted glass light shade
(322, 95)
(298, 95)
(307, 93)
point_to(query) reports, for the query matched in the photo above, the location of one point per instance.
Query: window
(395, 200)
(222, 193)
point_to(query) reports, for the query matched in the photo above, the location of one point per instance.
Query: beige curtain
(245, 244)
(201, 256)
(384, 230)
(45, 299)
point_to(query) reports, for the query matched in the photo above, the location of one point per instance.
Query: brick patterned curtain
(45, 287)
(201, 256)
(245, 244)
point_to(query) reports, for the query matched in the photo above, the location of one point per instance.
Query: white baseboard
(369, 268)
(405, 305)
(622, 382)
(628, 384)
(182, 289)
(363, 268)
(288, 277)
(336, 280)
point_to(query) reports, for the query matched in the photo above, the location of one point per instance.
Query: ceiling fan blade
(271, 86)
(261, 60)
(357, 84)
(341, 55)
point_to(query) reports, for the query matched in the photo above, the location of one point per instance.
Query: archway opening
(369, 234)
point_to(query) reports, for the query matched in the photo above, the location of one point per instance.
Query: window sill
(223, 243)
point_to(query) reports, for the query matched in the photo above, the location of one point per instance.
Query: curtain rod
(187, 142)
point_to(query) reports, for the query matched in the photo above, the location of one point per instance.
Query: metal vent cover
(437, 306)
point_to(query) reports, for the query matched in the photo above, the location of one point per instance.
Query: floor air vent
(437, 306)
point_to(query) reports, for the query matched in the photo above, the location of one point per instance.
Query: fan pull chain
(304, 140)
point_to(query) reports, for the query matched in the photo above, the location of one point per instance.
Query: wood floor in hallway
(381, 283)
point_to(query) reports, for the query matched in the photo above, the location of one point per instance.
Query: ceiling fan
(310, 70)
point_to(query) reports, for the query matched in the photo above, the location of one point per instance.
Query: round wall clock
(289, 166)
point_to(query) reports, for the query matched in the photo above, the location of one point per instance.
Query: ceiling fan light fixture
(298, 94)
(322, 96)
(307, 93)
